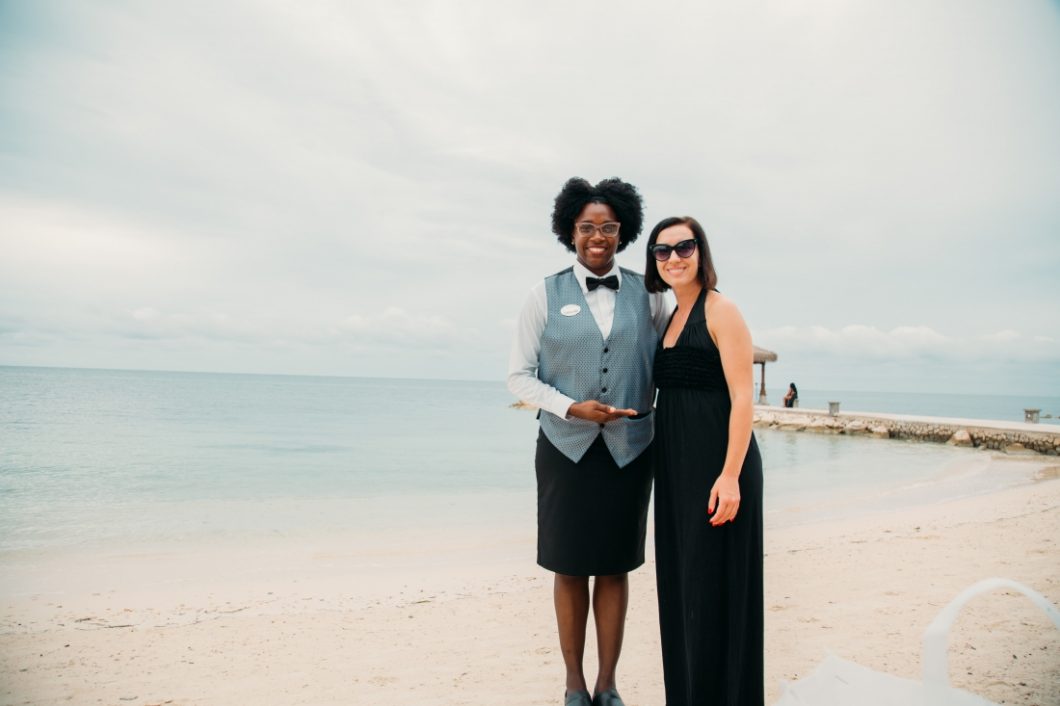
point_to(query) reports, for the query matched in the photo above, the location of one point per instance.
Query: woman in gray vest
(583, 353)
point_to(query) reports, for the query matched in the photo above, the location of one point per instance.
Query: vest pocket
(639, 422)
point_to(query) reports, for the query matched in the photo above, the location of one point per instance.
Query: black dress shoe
(608, 698)
(578, 698)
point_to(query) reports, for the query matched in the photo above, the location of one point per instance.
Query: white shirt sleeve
(523, 361)
(660, 311)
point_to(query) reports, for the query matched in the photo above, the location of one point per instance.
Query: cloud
(348, 175)
(150, 324)
(395, 327)
(391, 329)
(66, 239)
(906, 343)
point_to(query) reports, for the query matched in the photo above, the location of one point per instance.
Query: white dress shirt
(526, 347)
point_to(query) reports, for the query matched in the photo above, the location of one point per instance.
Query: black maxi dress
(709, 578)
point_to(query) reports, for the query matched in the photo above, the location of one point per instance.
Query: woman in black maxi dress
(708, 536)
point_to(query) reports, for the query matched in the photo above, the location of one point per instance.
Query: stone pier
(1011, 437)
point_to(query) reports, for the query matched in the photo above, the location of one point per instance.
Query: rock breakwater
(1010, 437)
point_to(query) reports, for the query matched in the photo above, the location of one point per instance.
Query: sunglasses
(684, 249)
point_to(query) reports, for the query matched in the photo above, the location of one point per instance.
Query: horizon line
(498, 380)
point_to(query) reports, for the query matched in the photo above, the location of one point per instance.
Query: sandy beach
(465, 617)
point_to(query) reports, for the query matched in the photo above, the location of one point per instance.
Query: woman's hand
(598, 412)
(725, 497)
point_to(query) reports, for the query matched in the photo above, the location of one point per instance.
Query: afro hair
(577, 193)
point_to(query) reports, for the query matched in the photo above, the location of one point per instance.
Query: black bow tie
(611, 282)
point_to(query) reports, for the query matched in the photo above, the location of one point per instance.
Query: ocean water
(104, 458)
(99, 455)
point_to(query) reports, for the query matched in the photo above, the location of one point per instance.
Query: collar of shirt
(581, 272)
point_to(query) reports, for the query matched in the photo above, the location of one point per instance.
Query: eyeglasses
(609, 229)
(684, 249)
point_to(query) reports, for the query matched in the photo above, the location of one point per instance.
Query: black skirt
(592, 515)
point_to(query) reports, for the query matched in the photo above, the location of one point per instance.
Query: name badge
(570, 310)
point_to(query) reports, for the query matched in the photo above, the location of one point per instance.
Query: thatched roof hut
(762, 356)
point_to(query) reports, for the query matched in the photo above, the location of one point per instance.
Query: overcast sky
(364, 188)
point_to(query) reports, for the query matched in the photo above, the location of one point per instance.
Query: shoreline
(467, 615)
(387, 522)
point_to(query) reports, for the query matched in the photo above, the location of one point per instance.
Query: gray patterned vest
(577, 360)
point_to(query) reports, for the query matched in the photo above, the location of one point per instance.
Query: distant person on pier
(792, 396)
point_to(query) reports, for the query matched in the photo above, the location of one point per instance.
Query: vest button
(606, 350)
(605, 370)
(603, 389)
(601, 425)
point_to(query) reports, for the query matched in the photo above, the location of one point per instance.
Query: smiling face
(597, 251)
(678, 272)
